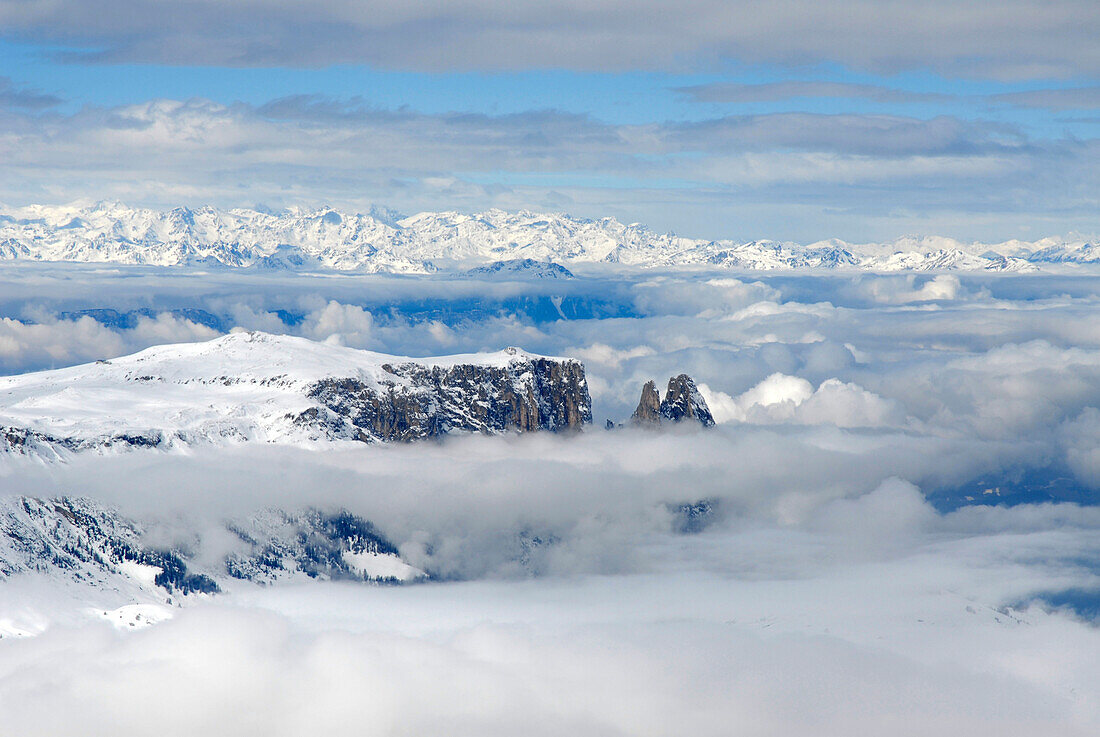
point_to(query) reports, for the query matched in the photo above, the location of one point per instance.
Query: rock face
(525, 396)
(682, 402)
(649, 406)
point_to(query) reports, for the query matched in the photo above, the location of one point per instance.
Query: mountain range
(384, 241)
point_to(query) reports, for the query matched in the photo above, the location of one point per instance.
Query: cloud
(826, 566)
(776, 397)
(781, 398)
(809, 567)
(347, 324)
(537, 676)
(883, 135)
(1082, 438)
(24, 99)
(735, 92)
(899, 512)
(55, 343)
(1071, 98)
(904, 290)
(1015, 41)
(604, 354)
(691, 176)
(1052, 98)
(849, 405)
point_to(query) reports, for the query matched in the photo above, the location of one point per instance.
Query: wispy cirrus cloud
(22, 98)
(1051, 98)
(738, 92)
(1068, 98)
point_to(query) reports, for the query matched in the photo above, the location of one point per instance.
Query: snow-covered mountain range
(383, 241)
(273, 388)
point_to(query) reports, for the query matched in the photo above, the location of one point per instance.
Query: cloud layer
(850, 555)
(1015, 40)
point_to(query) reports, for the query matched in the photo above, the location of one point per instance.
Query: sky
(799, 120)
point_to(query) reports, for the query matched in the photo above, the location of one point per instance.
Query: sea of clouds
(902, 536)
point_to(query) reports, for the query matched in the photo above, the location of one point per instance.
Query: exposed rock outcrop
(427, 401)
(649, 406)
(682, 402)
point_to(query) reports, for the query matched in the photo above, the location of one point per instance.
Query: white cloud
(348, 324)
(905, 291)
(892, 515)
(526, 670)
(602, 353)
(56, 343)
(849, 405)
(781, 398)
(872, 592)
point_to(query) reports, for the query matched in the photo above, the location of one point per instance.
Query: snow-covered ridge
(82, 542)
(380, 241)
(252, 386)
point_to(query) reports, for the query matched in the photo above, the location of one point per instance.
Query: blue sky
(852, 120)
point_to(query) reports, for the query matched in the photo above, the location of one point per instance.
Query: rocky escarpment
(682, 402)
(419, 401)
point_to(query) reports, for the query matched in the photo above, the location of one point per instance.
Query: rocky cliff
(682, 401)
(649, 406)
(527, 395)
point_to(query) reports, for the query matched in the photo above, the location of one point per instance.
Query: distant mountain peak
(523, 267)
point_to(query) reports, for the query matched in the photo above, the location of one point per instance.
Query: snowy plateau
(252, 386)
(511, 243)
